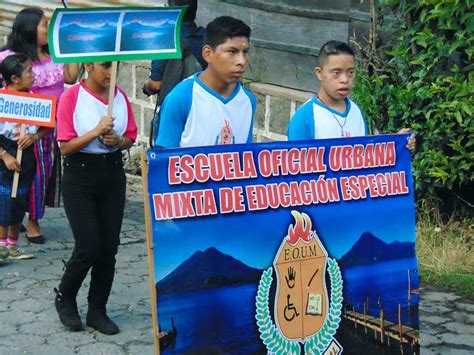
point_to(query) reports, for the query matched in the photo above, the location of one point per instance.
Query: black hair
(106, 65)
(224, 27)
(24, 35)
(82, 68)
(190, 14)
(12, 65)
(333, 48)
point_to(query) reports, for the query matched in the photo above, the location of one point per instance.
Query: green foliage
(444, 250)
(461, 283)
(423, 79)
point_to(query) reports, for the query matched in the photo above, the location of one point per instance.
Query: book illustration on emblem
(314, 304)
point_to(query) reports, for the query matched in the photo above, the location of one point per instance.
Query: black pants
(94, 198)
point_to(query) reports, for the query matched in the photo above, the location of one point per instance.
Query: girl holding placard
(29, 35)
(17, 73)
(93, 191)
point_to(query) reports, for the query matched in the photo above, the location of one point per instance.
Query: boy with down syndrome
(332, 113)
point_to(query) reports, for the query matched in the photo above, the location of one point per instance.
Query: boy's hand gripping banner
(286, 247)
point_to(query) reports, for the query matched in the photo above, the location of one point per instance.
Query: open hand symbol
(290, 280)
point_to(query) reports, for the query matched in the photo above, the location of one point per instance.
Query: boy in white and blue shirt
(315, 120)
(212, 107)
(332, 114)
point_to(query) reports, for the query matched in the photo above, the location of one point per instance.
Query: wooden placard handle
(149, 239)
(19, 154)
(113, 80)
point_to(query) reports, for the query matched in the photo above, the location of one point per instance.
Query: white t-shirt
(194, 115)
(80, 110)
(315, 120)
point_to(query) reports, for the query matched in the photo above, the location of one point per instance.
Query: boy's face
(228, 60)
(337, 74)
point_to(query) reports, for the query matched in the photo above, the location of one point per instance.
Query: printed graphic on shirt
(193, 115)
(226, 136)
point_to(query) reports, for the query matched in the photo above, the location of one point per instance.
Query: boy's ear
(207, 52)
(15, 79)
(317, 72)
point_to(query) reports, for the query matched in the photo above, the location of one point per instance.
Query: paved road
(29, 324)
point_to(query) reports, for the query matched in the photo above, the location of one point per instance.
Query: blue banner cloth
(283, 246)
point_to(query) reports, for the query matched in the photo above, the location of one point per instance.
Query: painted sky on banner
(104, 34)
(254, 236)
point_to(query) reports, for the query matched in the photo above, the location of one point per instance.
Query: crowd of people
(93, 181)
(210, 107)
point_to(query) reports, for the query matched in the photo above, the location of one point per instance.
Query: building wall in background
(286, 38)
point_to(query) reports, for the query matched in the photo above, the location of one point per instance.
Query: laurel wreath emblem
(272, 337)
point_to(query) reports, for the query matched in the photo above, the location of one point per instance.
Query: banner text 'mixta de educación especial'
(308, 162)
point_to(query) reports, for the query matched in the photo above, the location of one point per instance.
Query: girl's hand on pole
(112, 139)
(105, 125)
(27, 140)
(11, 163)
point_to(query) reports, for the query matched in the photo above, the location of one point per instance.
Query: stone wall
(286, 37)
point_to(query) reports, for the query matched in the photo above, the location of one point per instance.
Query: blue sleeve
(157, 69)
(253, 102)
(174, 113)
(301, 126)
(365, 124)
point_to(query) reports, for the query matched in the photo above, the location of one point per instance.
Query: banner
(114, 34)
(285, 247)
(27, 108)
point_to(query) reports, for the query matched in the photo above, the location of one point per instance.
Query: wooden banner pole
(113, 81)
(149, 241)
(19, 154)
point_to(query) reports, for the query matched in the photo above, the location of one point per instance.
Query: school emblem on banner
(303, 311)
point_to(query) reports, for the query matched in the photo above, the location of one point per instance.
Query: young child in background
(17, 73)
(332, 114)
(29, 35)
